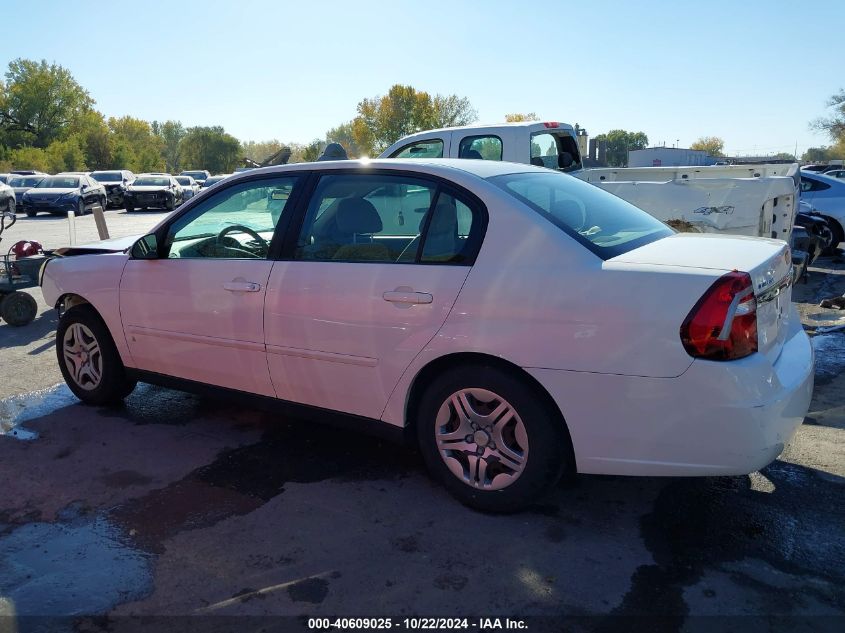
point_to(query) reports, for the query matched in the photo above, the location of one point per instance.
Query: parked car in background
(213, 180)
(22, 184)
(190, 187)
(200, 175)
(826, 195)
(151, 191)
(518, 322)
(115, 181)
(835, 173)
(28, 172)
(4, 178)
(62, 193)
(7, 198)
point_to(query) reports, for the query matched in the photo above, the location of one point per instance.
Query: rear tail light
(723, 324)
(551, 124)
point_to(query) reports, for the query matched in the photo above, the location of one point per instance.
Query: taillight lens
(723, 324)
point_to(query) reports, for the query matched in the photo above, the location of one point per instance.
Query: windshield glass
(183, 180)
(107, 176)
(196, 174)
(59, 182)
(213, 180)
(605, 224)
(25, 181)
(151, 182)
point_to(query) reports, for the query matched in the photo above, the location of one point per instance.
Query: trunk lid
(768, 262)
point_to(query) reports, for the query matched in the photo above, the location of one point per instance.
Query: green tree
(784, 156)
(39, 101)
(713, 145)
(517, 117)
(28, 158)
(66, 155)
(210, 148)
(312, 151)
(259, 151)
(619, 143)
(834, 125)
(345, 135)
(94, 138)
(382, 120)
(141, 149)
(171, 134)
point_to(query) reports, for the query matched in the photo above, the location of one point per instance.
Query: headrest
(537, 161)
(564, 160)
(445, 217)
(472, 154)
(356, 215)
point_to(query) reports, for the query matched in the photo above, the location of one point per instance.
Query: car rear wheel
(30, 213)
(490, 438)
(18, 308)
(88, 358)
(838, 236)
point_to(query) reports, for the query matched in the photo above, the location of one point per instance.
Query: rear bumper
(715, 419)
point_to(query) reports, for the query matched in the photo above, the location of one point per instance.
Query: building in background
(669, 157)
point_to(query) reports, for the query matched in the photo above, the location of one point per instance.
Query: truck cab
(549, 144)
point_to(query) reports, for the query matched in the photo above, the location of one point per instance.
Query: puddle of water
(78, 565)
(16, 410)
(830, 355)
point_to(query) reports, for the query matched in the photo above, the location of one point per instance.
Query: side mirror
(145, 248)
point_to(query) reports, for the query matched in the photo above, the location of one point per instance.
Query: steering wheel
(265, 246)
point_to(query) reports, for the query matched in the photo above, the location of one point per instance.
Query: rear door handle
(407, 297)
(241, 286)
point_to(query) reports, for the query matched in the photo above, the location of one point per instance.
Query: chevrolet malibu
(517, 323)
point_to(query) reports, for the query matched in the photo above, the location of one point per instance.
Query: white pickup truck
(756, 200)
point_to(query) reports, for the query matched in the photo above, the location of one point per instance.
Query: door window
(236, 223)
(481, 148)
(430, 148)
(808, 184)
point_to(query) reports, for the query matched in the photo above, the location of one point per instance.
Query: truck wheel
(18, 308)
(490, 439)
(88, 358)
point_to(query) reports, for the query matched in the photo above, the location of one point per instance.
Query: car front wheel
(88, 358)
(491, 438)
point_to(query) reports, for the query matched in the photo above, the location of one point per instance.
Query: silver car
(190, 187)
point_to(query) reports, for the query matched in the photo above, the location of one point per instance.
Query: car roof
(433, 166)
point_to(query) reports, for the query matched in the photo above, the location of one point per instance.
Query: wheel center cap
(481, 438)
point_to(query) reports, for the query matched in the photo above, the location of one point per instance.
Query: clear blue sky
(754, 73)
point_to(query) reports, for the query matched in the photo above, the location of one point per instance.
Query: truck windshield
(603, 223)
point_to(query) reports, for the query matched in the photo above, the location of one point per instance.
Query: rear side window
(808, 184)
(481, 148)
(430, 148)
(555, 150)
(388, 219)
(605, 224)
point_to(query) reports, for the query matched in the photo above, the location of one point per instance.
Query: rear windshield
(25, 181)
(195, 174)
(605, 224)
(152, 182)
(107, 176)
(183, 180)
(59, 182)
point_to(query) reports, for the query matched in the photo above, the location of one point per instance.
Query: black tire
(18, 308)
(80, 208)
(838, 236)
(129, 207)
(30, 213)
(104, 202)
(170, 204)
(113, 385)
(10, 206)
(548, 444)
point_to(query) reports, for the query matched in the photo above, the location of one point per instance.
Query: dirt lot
(179, 505)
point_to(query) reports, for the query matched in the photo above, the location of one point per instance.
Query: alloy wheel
(481, 439)
(83, 357)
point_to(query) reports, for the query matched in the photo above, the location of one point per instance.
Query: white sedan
(516, 322)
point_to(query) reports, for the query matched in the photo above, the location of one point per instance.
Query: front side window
(430, 148)
(605, 224)
(389, 219)
(481, 148)
(237, 223)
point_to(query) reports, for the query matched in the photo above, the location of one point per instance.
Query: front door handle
(407, 297)
(241, 286)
